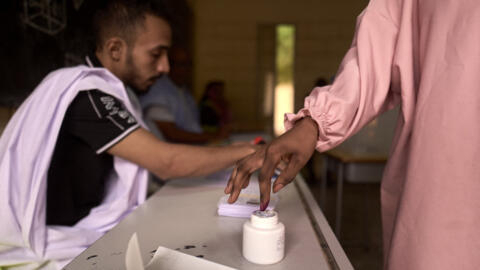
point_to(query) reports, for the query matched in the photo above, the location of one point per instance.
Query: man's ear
(115, 47)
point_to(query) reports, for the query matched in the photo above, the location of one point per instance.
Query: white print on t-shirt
(131, 120)
(109, 103)
(114, 111)
(123, 114)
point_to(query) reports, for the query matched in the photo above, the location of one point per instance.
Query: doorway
(276, 69)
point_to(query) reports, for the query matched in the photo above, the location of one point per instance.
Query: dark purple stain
(189, 247)
(264, 205)
(199, 256)
(91, 257)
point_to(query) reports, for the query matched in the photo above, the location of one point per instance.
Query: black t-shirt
(93, 123)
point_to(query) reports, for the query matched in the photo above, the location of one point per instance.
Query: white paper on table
(247, 202)
(165, 258)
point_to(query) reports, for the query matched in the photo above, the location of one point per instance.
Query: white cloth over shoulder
(26, 148)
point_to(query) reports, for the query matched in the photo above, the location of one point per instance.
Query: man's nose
(163, 66)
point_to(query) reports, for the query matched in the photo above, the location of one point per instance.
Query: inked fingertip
(264, 205)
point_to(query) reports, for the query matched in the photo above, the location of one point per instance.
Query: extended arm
(175, 134)
(167, 160)
(362, 90)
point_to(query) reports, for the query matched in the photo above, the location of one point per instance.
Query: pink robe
(425, 56)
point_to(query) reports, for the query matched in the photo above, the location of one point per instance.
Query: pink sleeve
(361, 89)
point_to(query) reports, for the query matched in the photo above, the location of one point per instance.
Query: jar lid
(264, 219)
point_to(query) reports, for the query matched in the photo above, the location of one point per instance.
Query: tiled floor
(361, 225)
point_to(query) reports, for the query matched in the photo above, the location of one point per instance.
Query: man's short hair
(122, 18)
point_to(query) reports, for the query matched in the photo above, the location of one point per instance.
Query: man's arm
(175, 134)
(167, 160)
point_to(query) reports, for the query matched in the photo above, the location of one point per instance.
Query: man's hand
(244, 168)
(294, 148)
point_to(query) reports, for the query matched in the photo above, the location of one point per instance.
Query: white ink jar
(263, 238)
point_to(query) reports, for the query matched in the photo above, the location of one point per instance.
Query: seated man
(169, 108)
(74, 157)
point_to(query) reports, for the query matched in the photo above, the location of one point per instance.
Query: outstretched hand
(294, 148)
(244, 168)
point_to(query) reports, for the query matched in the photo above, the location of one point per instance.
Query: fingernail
(264, 205)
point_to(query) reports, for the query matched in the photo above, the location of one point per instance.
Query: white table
(182, 215)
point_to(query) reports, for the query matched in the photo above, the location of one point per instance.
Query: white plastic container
(263, 238)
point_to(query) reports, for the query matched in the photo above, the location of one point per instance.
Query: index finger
(264, 179)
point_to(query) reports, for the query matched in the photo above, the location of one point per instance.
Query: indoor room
(227, 134)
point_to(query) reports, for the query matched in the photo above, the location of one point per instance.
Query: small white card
(243, 207)
(247, 202)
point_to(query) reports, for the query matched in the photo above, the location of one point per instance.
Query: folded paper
(165, 258)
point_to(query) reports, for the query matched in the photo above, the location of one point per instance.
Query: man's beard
(131, 75)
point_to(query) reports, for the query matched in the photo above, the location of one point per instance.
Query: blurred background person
(215, 114)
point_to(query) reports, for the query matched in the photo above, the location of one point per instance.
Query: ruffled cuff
(323, 123)
(291, 118)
